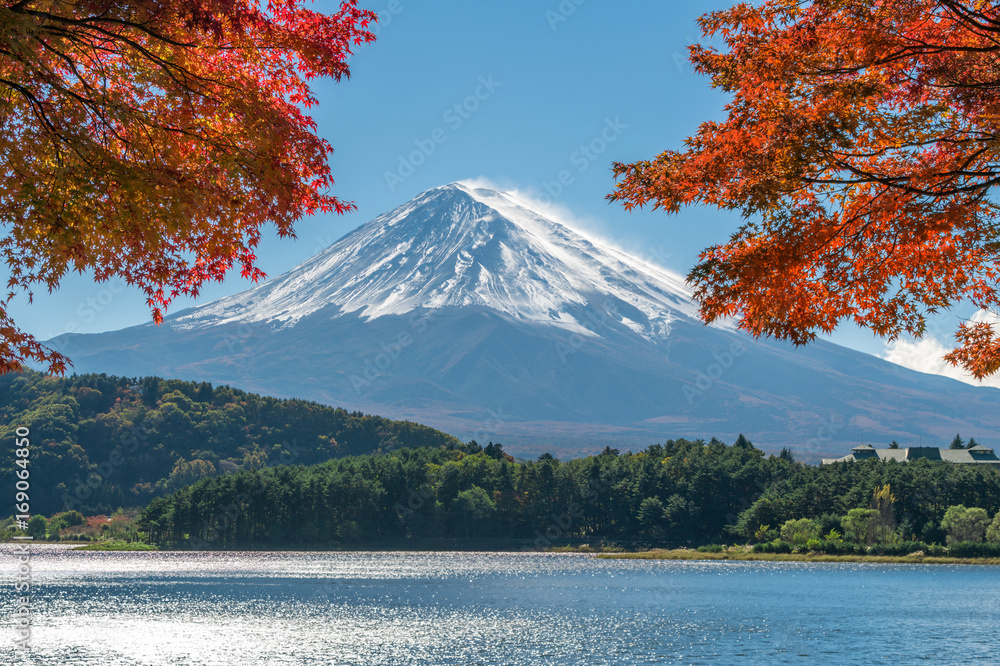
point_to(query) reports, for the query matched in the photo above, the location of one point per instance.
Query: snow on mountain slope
(458, 245)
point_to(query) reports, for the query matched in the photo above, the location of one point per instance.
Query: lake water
(493, 608)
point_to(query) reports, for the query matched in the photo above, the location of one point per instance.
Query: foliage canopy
(151, 140)
(860, 144)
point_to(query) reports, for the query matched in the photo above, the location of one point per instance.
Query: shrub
(842, 548)
(69, 518)
(900, 548)
(965, 524)
(711, 548)
(37, 526)
(974, 549)
(993, 531)
(815, 544)
(764, 533)
(799, 531)
(827, 522)
(776, 546)
(859, 525)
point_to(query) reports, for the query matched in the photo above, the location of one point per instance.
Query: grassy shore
(117, 545)
(604, 551)
(740, 555)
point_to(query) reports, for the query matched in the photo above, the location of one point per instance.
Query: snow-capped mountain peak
(473, 311)
(461, 245)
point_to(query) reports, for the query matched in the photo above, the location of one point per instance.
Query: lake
(376, 608)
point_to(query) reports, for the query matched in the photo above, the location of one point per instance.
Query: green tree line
(923, 490)
(675, 494)
(969, 532)
(100, 442)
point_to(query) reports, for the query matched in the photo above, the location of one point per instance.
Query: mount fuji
(471, 310)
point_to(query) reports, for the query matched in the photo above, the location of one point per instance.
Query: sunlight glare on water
(492, 608)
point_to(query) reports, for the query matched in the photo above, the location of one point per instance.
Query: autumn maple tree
(862, 147)
(152, 139)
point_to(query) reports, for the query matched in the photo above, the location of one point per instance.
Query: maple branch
(971, 17)
(95, 23)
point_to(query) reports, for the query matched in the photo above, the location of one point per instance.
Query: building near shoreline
(977, 455)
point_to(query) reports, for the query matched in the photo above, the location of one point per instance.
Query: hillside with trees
(100, 442)
(681, 493)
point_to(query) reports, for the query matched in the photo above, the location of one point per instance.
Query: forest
(100, 442)
(680, 493)
(217, 467)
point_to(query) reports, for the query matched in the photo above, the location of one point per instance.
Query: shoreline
(674, 555)
(686, 555)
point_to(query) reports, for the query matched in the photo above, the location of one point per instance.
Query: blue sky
(516, 92)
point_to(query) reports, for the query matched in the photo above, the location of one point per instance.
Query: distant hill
(99, 442)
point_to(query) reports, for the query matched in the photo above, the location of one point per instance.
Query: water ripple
(377, 608)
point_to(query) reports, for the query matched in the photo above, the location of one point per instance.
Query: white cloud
(985, 316)
(927, 355)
